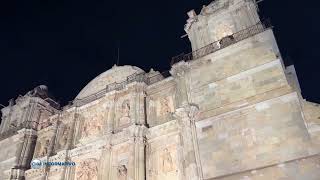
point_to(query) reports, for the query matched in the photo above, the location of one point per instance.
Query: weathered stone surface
(233, 114)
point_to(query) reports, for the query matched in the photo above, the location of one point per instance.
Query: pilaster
(186, 116)
(180, 73)
(138, 139)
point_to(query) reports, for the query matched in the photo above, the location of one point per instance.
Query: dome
(115, 74)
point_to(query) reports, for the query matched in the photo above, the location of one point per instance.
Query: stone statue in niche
(122, 172)
(64, 137)
(125, 111)
(167, 163)
(44, 148)
(88, 170)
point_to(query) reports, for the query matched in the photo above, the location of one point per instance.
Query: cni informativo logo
(36, 163)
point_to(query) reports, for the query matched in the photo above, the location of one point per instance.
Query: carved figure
(88, 170)
(64, 137)
(126, 109)
(122, 172)
(44, 148)
(125, 113)
(167, 164)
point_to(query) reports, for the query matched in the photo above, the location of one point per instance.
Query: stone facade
(230, 110)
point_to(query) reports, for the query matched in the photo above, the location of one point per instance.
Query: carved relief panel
(160, 107)
(163, 159)
(62, 135)
(92, 120)
(121, 162)
(165, 106)
(87, 169)
(43, 147)
(45, 142)
(124, 112)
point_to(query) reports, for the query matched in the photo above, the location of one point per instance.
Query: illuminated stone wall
(233, 114)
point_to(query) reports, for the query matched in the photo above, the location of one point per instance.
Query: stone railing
(224, 42)
(136, 77)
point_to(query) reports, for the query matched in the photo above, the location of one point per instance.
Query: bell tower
(220, 19)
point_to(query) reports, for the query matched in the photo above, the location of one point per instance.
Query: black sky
(65, 44)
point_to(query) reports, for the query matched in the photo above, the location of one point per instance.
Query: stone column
(186, 120)
(24, 153)
(105, 162)
(179, 72)
(70, 140)
(139, 147)
(185, 115)
(140, 104)
(111, 115)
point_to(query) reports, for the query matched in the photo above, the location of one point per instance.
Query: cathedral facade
(230, 110)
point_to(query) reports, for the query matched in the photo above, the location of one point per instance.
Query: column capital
(138, 133)
(179, 69)
(189, 111)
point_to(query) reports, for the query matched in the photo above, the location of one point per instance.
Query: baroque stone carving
(167, 164)
(122, 172)
(125, 111)
(88, 170)
(44, 147)
(166, 106)
(91, 127)
(64, 137)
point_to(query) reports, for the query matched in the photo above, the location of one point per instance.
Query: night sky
(65, 44)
